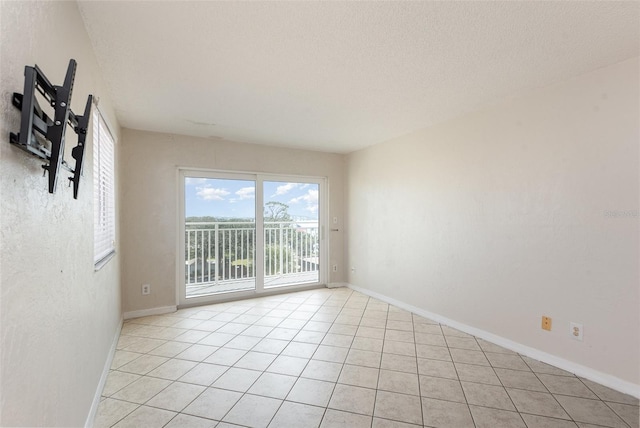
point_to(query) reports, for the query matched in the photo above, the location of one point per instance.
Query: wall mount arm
(78, 151)
(43, 136)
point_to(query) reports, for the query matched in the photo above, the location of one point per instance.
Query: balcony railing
(223, 252)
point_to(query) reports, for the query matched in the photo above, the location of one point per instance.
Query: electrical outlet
(546, 323)
(146, 289)
(353, 269)
(576, 330)
(335, 268)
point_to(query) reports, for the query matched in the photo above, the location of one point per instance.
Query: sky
(236, 198)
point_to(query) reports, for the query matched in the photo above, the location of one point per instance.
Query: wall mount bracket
(43, 136)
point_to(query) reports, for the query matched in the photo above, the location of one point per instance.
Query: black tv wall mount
(43, 136)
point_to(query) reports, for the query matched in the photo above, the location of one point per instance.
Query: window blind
(104, 218)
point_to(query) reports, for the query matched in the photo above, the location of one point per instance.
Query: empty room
(320, 214)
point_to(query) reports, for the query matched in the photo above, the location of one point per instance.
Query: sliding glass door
(242, 234)
(220, 235)
(291, 233)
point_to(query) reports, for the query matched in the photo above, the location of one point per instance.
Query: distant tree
(234, 241)
(285, 244)
(279, 227)
(276, 211)
(209, 219)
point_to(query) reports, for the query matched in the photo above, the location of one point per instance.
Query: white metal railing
(225, 251)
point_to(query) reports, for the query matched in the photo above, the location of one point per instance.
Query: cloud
(244, 193)
(192, 181)
(285, 188)
(310, 198)
(211, 193)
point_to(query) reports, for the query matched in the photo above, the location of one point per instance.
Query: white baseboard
(607, 380)
(103, 379)
(152, 311)
(337, 284)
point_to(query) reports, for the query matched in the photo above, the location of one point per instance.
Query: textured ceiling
(339, 76)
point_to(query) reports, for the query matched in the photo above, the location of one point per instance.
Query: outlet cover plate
(576, 331)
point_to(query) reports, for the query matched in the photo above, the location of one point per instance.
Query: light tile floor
(336, 358)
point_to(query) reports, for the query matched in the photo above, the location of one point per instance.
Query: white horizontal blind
(104, 217)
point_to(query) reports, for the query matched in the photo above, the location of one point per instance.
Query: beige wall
(499, 217)
(58, 316)
(150, 203)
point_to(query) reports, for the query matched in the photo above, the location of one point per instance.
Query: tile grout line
(264, 371)
(384, 336)
(605, 402)
(297, 378)
(163, 327)
(548, 390)
(180, 412)
(453, 363)
(174, 381)
(415, 347)
(343, 364)
(493, 369)
(245, 392)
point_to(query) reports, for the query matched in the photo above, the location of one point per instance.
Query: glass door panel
(219, 236)
(291, 233)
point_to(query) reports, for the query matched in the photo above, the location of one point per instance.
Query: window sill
(103, 261)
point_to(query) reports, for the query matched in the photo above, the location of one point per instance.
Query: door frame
(259, 178)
